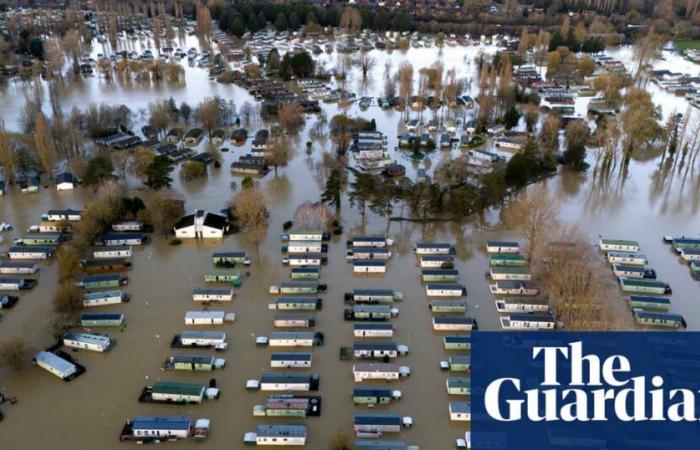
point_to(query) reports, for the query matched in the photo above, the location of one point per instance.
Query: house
(66, 181)
(259, 147)
(201, 224)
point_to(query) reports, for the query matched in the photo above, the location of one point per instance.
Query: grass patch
(687, 44)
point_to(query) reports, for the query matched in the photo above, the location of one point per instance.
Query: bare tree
(533, 215)
(313, 216)
(44, 144)
(350, 20)
(8, 157)
(15, 353)
(279, 151)
(249, 208)
(366, 64)
(208, 114)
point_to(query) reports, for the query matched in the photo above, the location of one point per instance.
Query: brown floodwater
(90, 411)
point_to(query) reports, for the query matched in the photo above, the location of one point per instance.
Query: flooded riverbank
(90, 411)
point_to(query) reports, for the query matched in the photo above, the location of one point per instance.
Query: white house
(201, 224)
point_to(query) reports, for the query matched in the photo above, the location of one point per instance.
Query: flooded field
(90, 411)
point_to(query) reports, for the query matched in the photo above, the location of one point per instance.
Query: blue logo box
(622, 390)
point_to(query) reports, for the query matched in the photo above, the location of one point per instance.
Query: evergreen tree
(158, 173)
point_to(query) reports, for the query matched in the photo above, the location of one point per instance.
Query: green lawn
(688, 44)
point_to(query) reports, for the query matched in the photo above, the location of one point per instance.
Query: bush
(287, 225)
(176, 241)
(15, 353)
(193, 169)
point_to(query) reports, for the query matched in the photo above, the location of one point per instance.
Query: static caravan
(460, 363)
(102, 281)
(102, 298)
(454, 323)
(645, 302)
(286, 360)
(367, 424)
(368, 253)
(294, 320)
(659, 319)
(305, 247)
(522, 288)
(458, 386)
(628, 271)
(372, 330)
(45, 239)
(305, 273)
(62, 215)
(101, 265)
(506, 259)
(212, 294)
(289, 381)
(289, 405)
(618, 245)
(439, 275)
(502, 247)
(305, 235)
(690, 254)
(644, 286)
(223, 276)
(445, 290)
(87, 341)
(436, 261)
(685, 243)
(208, 317)
(298, 287)
(527, 321)
(194, 363)
(522, 305)
(127, 225)
(460, 411)
(371, 312)
(501, 273)
(447, 306)
(298, 303)
(146, 428)
(369, 241)
(373, 296)
(295, 339)
(174, 393)
(627, 258)
(89, 320)
(370, 267)
(304, 259)
(121, 239)
(434, 248)
(56, 365)
(230, 259)
(378, 371)
(378, 350)
(199, 339)
(280, 435)
(30, 252)
(50, 227)
(12, 284)
(457, 342)
(373, 396)
(117, 251)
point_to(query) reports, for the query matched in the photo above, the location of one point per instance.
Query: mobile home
(629, 271)
(223, 276)
(117, 251)
(102, 281)
(194, 363)
(522, 305)
(453, 323)
(289, 381)
(148, 428)
(13, 284)
(458, 385)
(506, 259)
(305, 273)
(173, 393)
(445, 290)
(457, 342)
(89, 320)
(286, 360)
(294, 320)
(378, 350)
(447, 306)
(199, 339)
(460, 411)
(436, 261)
(56, 365)
(30, 252)
(212, 294)
(434, 248)
(618, 245)
(501, 273)
(127, 225)
(304, 259)
(502, 247)
(230, 259)
(373, 296)
(644, 286)
(298, 287)
(280, 435)
(522, 288)
(378, 371)
(459, 363)
(370, 267)
(684, 243)
(439, 275)
(368, 253)
(645, 302)
(208, 317)
(103, 298)
(295, 339)
(689, 254)
(43, 239)
(376, 423)
(627, 258)
(62, 215)
(305, 235)
(305, 247)
(87, 341)
(659, 319)
(527, 321)
(289, 405)
(372, 330)
(373, 396)
(122, 239)
(101, 265)
(298, 303)
(369, 241)
(370, 312)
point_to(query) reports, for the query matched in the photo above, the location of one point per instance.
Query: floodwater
(90, 411)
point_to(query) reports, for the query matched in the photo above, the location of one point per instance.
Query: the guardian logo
(595, 391)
